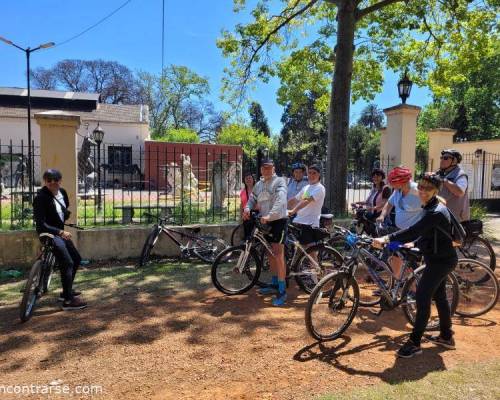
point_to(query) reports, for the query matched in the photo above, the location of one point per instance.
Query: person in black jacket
(433, 237)
(51, 210)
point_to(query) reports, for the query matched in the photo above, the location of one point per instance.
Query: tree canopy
(440, 42)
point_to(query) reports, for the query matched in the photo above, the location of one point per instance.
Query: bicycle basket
(473, 227)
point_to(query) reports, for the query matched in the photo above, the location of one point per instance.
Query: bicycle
(478, 288)
(39, 277)
(203, 247)
(238, 268)
(338, 295)
(475, 246)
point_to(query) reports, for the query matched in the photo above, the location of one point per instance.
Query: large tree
(177, 99)
(439, 41)
(113, 81)
(258, 120)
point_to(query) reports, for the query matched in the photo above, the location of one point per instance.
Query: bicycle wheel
(238, 235)
(207, 247)
(369, 291)
(329, 260)
(478, 248)
(265, 276)
(410, 306)
(477, 294)
(148, 245)
(231, 275)
(32, 291)
(332, 306)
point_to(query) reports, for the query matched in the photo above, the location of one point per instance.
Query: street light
(28, 51)
(404, 87)
(98, 136)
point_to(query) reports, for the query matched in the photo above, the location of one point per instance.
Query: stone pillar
(400, 139)
(439, 139)
(58, 141)
(383, 148)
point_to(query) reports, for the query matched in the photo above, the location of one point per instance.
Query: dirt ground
(155, 341)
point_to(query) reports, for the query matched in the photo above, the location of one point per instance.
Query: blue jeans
(68, 259)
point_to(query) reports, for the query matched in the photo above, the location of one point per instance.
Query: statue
(182, 179)
(86, 170)
(220, 169)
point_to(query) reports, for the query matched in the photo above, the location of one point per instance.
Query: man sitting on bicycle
(269, 194)
(307, 206)
(50, 209)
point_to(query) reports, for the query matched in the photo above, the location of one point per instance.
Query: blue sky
(133, 37)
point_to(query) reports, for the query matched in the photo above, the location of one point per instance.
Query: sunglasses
(312, 172)
(50, 180)
(446, 158)
(426, 188)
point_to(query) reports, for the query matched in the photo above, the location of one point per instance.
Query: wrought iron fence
(187, 183)
(16, 209)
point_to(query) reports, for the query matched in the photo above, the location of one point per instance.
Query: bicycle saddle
(45, 238)
(327, 216)
(195, 229)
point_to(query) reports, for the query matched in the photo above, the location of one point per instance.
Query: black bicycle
(475, 246)
(191, 243)
(39, 277)
(238, 268)
(334, 302)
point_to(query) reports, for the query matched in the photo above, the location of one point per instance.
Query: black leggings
(432, 286)
(68, 258)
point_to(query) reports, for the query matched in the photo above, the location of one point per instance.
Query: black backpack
(457, 233)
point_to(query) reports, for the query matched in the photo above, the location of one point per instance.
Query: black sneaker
(409, 350)
(75, 304)
(74, 292)
(437, 339)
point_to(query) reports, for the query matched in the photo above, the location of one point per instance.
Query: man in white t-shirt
(307, 205)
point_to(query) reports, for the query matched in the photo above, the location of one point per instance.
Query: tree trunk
(338, 119)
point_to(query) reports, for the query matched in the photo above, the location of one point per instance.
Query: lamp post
(98, 136)
(28, 51)
(404, 87)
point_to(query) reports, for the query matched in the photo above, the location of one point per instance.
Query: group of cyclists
(422, 214)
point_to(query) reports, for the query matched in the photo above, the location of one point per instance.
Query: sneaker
(75, 304)
(408, 350)
(280, 299)
(74, 292)
(269, 289)
(437, 339)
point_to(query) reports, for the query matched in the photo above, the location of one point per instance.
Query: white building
(126, 127)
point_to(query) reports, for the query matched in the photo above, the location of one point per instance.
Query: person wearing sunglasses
(455, 184)
(431, 236)
(50, 208)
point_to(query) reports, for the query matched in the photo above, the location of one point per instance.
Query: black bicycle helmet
(378, 171)
(454, 153)
(432, 178)
(53, 174)
(298, 165)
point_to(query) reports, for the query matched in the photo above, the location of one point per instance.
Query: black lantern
(404, 87)
(98, 136)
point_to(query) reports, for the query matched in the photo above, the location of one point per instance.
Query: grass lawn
(471, 381)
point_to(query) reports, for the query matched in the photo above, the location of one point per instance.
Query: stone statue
(182, 178)
(86, 170)
(220, 169)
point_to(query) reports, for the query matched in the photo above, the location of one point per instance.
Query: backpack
(457, 234)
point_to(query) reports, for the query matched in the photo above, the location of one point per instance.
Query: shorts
(278, 231)
(308, 234)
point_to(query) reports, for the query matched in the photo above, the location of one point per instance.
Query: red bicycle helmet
(399, 175)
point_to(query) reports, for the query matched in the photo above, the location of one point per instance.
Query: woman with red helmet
(404, 199)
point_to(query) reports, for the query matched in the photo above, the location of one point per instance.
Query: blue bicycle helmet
(298, 165)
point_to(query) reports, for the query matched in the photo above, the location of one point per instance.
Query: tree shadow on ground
(146, 305)
(334, 353)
